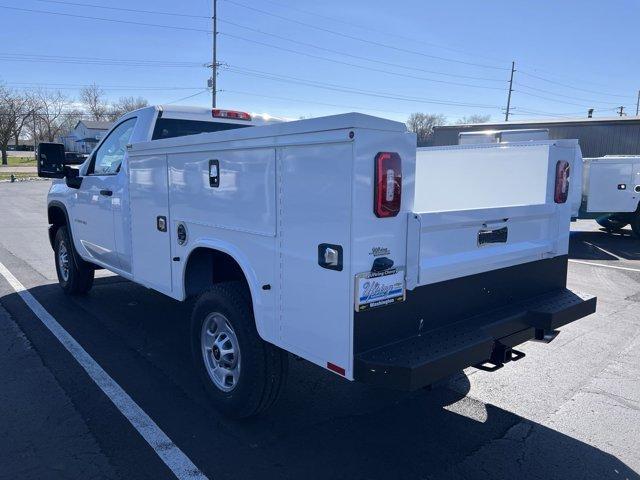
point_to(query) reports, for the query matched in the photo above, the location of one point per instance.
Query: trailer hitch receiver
(500, 355)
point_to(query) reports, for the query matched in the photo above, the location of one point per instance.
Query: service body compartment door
(611, 187)
(315, 212)
(150, 239)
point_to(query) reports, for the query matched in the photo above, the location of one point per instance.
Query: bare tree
(473, 119)
(92, 97)
(422, 125)
(14, 110)
(125, 105)
(54, 115)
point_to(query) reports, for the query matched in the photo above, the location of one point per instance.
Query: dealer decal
(376, 289)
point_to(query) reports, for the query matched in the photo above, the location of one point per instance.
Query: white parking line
(169, 453)
(606, 266)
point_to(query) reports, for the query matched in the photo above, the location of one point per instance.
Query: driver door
(101, 193)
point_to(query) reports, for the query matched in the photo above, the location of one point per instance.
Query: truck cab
(100, 206)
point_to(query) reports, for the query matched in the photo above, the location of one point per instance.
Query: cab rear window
(175, 127)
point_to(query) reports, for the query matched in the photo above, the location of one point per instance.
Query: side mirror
(51, 160)
(72, 158)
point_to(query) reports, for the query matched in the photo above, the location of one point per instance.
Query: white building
(84, 136)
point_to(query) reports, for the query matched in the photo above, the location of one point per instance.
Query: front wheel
(242, 373)
(74, 275)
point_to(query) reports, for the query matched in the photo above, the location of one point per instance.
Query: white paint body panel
(149, 196)
(602, 178)
(284, 189)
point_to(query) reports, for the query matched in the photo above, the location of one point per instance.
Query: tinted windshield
(174, 127)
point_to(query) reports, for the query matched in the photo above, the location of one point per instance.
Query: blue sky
(309, 58)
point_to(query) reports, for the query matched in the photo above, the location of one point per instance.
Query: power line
(553, 74)
(154, 12)
(62, 86)
(360, 39)
(264, 44)
(206, 90)
(538, 112)
(574, 87)
(334, 19)
(261, 32)
(346, 89)
(562, 95)
(298, 100)
(359, 57)
(386, 32)
(37, 58)
(112, 20)
(526, 113)
(319, 57)
(277, 16)
(555, 100)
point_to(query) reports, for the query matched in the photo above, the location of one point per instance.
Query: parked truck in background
(605, 189)
(330, 238)
(611, 192)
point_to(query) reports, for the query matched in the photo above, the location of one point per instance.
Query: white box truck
(611, 191)
(330, 238)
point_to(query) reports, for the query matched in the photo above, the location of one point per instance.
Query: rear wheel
(75, 276)
(242, 373)
(635, 224)
(611, 223)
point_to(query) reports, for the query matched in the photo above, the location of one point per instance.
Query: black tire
(264, 366)
(77, 278)
(611, 223)
(635, 224)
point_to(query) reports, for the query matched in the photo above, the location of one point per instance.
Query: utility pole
(35, 141)
(513, 69)
(214, 60)
(638, 104)
(621, 110)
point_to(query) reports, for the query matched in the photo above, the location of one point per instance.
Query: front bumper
(425, 358)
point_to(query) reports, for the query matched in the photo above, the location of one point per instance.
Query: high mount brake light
(231, 114)
(562, 182)
(388, 185)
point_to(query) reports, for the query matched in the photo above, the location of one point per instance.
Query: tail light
(562, 182)
(231, 114)
(388, 185)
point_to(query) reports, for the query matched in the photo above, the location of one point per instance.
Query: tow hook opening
(500, 355)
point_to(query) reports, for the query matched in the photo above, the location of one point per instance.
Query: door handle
(106, 193)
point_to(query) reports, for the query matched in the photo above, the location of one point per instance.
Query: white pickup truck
(330, 238)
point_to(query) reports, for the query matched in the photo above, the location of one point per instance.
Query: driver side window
(109, 156)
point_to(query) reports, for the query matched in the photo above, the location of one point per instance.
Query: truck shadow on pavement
(323, 427)
(602, 245)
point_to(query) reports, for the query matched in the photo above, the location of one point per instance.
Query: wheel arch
(57, 217)
(212, 262)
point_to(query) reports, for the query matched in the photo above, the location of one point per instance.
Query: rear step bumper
(423, 359)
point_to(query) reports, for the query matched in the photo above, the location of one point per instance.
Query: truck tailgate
(480, 208)
(446, 245)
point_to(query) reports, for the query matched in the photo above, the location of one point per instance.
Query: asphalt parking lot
(570, 409)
